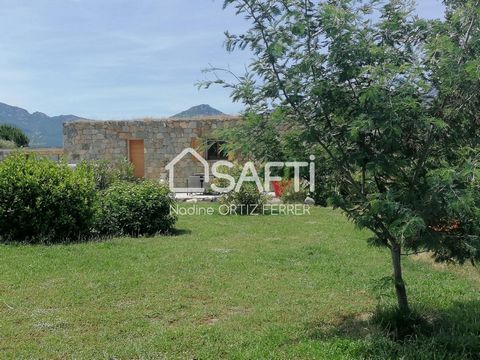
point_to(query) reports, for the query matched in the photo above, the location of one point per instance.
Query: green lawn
(227, 287)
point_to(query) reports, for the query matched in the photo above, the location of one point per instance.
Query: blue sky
(119, 59)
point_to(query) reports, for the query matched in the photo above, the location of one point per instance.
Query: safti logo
(171, 166)
(249, 174)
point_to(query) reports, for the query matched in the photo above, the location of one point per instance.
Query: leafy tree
(12, 133)
(267, 138)
(392, 102)
(264, 142)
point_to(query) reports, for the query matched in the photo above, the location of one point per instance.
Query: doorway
(136, 155)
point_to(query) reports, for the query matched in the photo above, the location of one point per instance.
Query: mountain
(43, 130)
(199, 110)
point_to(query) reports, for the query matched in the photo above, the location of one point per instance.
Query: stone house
(150, 144)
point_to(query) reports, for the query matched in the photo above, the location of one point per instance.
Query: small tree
(14, 134)
(391, 100)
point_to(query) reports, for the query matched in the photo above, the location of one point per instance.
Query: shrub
(12, 133)
(290, 196)
(42, 201)
(106, 172)
(135, 209)
(7, 144)
(247, 199)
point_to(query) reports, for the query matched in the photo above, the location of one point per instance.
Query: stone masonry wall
(163, 140)
(52, 153)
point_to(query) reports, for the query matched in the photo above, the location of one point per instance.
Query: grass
(229, 287)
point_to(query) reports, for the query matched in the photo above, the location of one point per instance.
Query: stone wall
(52, 153)
(163, 140)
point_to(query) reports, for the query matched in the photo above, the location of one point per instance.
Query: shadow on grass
(91, 239)
(180, 232)
(451, 333)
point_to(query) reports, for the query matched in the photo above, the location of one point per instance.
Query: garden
(206, 285)
(384, 103)
(243, 287)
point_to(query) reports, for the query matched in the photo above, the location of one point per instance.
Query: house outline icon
(171, 166)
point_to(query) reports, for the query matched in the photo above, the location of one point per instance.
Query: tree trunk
(398, 278)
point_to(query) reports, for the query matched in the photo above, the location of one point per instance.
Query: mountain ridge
(47, 131)
(43, 130)
(197, 111)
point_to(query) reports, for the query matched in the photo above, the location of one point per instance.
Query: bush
(247, 199)
(289, 196)
(7, 144)
(106, 173)
(135, 209)
(44, 202)
(12, 133)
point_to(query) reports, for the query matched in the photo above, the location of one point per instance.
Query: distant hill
(199, 110)
(43, 130)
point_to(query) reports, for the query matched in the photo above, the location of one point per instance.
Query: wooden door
(137, 157)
